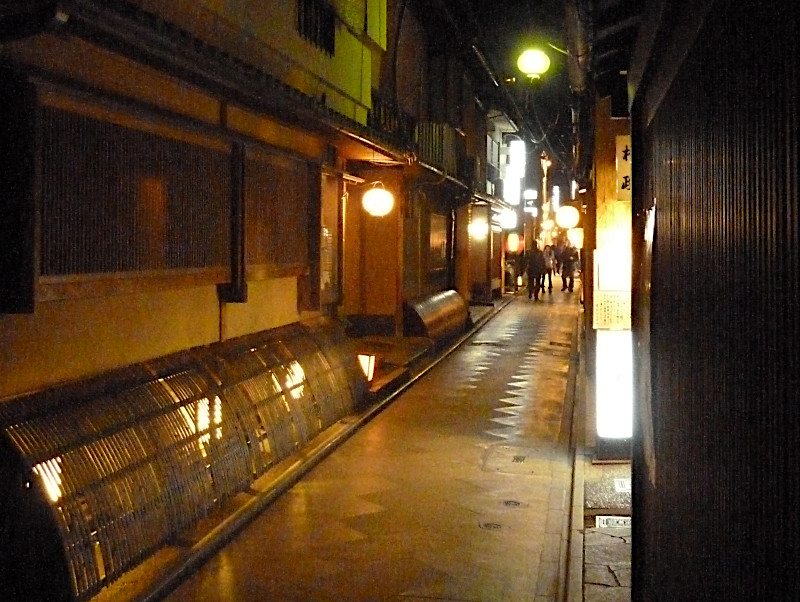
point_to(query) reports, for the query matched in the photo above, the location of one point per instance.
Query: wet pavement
(606, 546)
(460, 489)
(476, 481)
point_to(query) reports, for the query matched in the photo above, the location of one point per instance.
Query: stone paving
(607, 565)
(458, 493)
(458, 490)
(606, 551)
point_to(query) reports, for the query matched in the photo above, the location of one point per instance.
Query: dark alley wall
(716, 453)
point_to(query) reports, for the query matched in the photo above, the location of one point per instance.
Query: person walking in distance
(549, 264)
(558, 252)
(569, 264)
(535, 269)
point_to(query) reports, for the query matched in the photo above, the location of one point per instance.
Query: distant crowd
(540, 264)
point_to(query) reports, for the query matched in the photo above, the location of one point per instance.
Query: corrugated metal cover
(128, 460)
(437, 316)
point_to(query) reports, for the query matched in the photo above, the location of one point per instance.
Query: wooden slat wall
(117, 199)
(716, 483)
(276, 209)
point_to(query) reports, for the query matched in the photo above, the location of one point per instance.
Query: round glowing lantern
(548, 224)
(478, 229)
(533, 63)
(508, 220)
(575, 236)
(567, 217)
(513, 243)
(377, 201)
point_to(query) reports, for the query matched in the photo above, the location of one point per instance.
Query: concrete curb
(573, 578)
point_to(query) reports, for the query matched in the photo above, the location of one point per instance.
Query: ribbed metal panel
(129, 460)
(716, 497)
(439, 316)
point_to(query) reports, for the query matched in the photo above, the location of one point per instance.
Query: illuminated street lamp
(533, 63)
(377, 201)
(546, 213)
(545, 164)
(575, 236)
(567, 217)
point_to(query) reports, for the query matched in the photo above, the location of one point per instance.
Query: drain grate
(510, 459)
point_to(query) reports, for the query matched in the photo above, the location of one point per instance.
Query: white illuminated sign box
(511, 190)
(508, 220)
(614, 382)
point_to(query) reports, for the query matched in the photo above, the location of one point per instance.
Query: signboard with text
(624, 162)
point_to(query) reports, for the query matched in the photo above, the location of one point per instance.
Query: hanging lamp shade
(377, 201)
(533, 63)
(508, 219)
(575, 236)
(567, 217)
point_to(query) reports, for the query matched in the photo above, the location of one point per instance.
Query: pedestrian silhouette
(569, 260)
(535, 269)
(549, 264)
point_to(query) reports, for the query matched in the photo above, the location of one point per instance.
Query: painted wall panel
(264, 33)
(270, 303)
(72, 339)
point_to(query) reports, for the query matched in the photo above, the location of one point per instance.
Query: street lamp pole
(534, 63)
(546, 213)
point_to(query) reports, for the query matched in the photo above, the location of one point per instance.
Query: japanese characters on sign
(612, 310)
(612, 261)
(624, 162)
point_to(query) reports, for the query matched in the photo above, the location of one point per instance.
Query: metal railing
(443, 147)
(387, 117)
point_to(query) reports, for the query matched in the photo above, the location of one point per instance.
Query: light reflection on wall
(478, 229)
(367, 363)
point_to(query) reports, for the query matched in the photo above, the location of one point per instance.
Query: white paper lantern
(567, 217)
(575, 236)
(377, 201)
